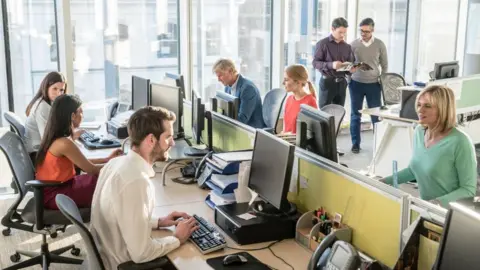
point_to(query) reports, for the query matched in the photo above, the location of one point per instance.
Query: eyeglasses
(365, 32)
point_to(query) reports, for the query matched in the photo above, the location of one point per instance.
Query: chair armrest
(42, 184)
(155, 264)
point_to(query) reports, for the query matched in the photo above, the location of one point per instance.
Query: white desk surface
(389, 113)
(191, 199)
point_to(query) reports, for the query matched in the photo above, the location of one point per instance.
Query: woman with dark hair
(58, 155)
(52, 86)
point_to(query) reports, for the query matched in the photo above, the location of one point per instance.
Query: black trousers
(332, 91)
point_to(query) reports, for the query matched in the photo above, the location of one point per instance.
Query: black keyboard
(207, 238)
(192, 151)
(91, 141)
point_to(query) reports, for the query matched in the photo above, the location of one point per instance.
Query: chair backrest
(15, 122)
(338, 113)
(18, 159)
(272, 106)
(390, 82)
(70, 210)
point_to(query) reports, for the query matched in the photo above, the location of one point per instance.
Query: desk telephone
(203, 171)
(334, 254)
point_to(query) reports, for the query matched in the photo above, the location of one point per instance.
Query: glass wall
(3, 78)
(472, 50)
(32, 31)
(437, 39)
(239, 30)
(390, 18)
(307, 22)
(114, 40)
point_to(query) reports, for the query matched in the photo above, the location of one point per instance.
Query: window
(390, 26)
(305, 28)
(138, 38)
(29, 27)
(472, 48)
(3, 76)
(239, 30)
(437, 38)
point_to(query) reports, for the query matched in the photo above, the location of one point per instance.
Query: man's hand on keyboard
(172, 219)
(185, 228)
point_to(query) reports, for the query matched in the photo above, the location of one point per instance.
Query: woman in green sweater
(443, 162)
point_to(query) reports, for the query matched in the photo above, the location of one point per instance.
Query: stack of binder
(224, 178)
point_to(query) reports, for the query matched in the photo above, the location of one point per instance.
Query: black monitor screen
(140, 96)
(460, 242)
(168, 97)
(179, 82)
(227, 104)
(271, 168)
(318, 133)
(198, 117)
(446, 70)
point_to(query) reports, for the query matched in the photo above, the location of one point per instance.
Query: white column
(185, 53)
(278, 42)
(65, 44)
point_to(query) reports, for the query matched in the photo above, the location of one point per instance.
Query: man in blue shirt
(250, 110)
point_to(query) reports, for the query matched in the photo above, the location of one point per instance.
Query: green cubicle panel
(231, 135)
(187, 118)
(374, 214)
(466, 91)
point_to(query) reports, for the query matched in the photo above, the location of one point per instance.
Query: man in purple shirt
(330, 53)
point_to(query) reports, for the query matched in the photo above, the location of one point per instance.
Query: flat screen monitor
(140, 95)
(446, 70)
(168, 97)
(198, 117)
(226, 104)
(179, 82)
(460, 241)
(271, 169)
(409, 104)
(316, 132)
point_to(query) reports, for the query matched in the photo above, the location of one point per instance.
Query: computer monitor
(198, 117)
(270, 172)
(316, 132)
(140, 95)
(460, 241)
(168, 97)
(409, 104)
(445, 70)
(226, 104)
(179, 81)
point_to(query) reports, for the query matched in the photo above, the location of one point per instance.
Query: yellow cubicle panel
(230, 135)
(374, 217)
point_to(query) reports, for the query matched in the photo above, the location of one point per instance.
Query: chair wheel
(54, 235)
(75, 251)
(15, 257)
(6, 232)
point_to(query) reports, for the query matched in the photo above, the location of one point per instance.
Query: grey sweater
(374, 55)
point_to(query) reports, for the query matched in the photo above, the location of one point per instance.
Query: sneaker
(355, 149)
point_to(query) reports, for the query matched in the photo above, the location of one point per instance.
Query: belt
(337, 79)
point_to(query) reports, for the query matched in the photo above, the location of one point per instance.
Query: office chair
(16, 124)
(338, 113)
(389, 83)
(272, 106)
(33, 218)
(69, 209)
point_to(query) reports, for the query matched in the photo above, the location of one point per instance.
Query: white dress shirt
(121, 217)
(234, 86)
(35, 125)
(367, 43)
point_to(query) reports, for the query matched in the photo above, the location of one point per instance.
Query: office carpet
(31, 241)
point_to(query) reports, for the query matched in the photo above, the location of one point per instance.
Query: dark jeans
(332, 91)
(358, 90)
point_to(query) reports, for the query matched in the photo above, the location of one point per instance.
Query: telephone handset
(341, 255)
(203, 171)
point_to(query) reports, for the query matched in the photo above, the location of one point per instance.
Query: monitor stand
(266, 209)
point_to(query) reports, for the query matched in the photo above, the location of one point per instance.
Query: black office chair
(272, 107)
(16, 123)
(390, 83)
(33, 218)
(68, 208)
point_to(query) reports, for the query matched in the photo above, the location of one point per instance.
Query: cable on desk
(285, 262)
(254, 249)
(269, 247)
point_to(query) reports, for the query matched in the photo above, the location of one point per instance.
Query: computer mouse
(234, 259)
(106, 142)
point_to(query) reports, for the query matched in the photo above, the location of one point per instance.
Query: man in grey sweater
(373, 52)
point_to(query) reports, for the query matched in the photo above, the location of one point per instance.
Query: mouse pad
(252, 263)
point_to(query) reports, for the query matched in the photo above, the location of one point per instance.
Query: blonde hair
(300, 73)
(224, 64)
(443, 98)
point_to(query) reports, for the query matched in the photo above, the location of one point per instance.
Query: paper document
(90, 125)
(246, 216)
(234, 156)
(222, 199)
(244, 174)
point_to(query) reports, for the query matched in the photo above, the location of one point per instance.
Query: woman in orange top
(58, 155)
(295, 80)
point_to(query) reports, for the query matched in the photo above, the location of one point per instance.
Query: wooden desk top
(191, 199)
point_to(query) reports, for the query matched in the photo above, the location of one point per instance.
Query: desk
(393, 140)
(191, 199)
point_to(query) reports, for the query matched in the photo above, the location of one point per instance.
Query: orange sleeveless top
(55, 169)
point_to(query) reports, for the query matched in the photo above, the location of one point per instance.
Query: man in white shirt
(123, 202)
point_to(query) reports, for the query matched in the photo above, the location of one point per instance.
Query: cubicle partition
(187, 118)
(374, 211)
(231, 135)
